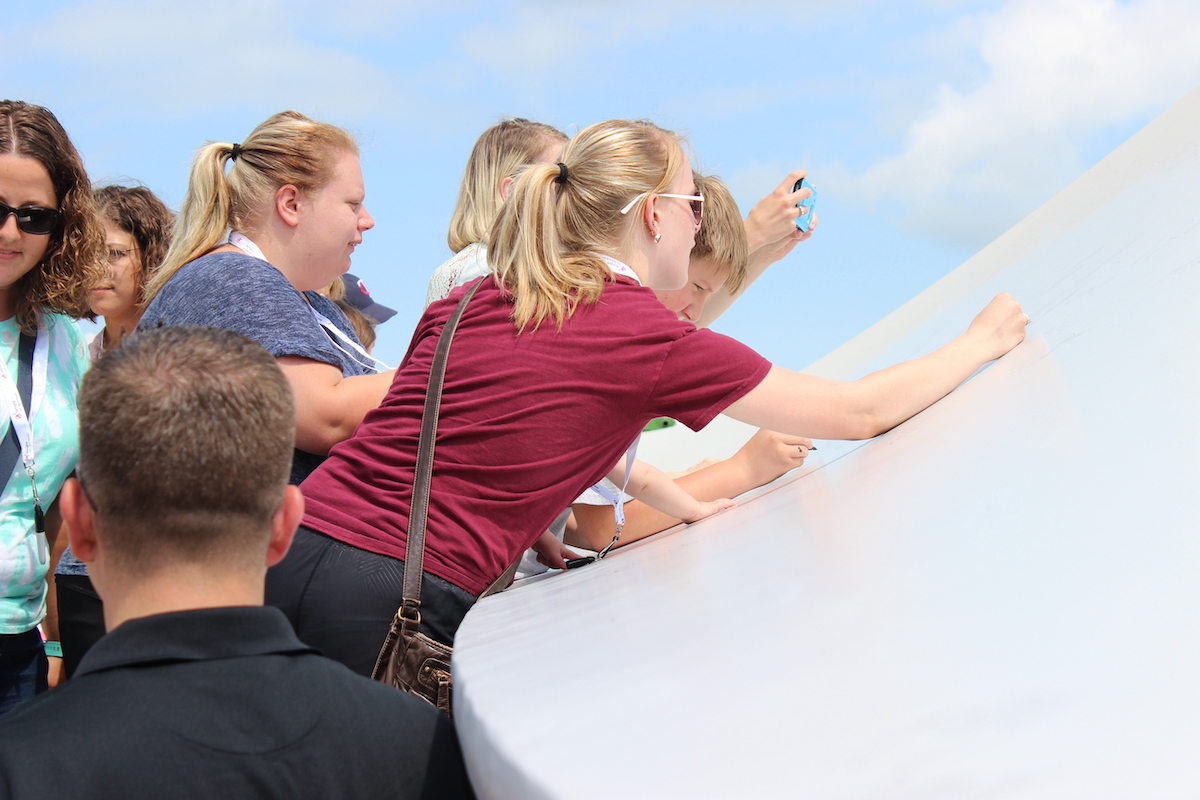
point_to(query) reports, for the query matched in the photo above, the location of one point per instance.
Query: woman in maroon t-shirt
(561, 358)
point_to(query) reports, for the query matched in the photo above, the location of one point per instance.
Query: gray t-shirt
(248, 295)
(253, 298)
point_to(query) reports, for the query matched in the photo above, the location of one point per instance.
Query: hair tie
(562, 173)
(237, 151)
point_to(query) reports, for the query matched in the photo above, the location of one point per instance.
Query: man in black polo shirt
(186, 439)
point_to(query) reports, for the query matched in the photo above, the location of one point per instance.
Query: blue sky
(929, 127)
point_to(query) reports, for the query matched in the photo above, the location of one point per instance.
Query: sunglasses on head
(695, 200)
(31, 219)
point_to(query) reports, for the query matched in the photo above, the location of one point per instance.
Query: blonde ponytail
(545, 244)
(203, 216)
(287, 148)
(500, 152)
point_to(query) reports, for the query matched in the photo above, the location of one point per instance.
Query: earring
(657, 238)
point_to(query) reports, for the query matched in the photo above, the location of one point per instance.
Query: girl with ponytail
(503, 151)
(266, 224)
(560, 359)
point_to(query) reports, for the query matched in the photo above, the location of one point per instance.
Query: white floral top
(467, 264)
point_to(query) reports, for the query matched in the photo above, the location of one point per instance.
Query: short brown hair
(186, 437)
(74, 261)
(722, 237)
(138, 211)
(500, 152)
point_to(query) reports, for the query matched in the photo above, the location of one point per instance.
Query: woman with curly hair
(137, 234)
(51, 255)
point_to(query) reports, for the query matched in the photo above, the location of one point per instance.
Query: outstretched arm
(771, 234)
(828, 409)
(761, 460)
(652, 486)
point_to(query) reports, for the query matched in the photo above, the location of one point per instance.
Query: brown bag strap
(501, 583)
(414, 551)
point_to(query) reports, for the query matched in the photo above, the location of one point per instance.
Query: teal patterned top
(23, 559)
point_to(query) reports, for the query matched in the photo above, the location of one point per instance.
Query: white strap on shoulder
(618, 499)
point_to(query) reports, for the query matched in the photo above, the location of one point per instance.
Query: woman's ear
(650, 214)
(506, 187)
(287, 204)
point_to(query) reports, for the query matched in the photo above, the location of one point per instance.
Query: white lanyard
(22, 425)
(618, 500)
(243, 243)
(356, 352)
(620, 268)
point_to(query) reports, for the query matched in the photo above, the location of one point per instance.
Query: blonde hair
(74, 261)
(288, 148)
(546, 241)
(722, 237)
(335, 291)
(363, 327)
(499, 153)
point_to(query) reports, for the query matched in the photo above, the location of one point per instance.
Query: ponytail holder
(562, 173)
(237, 151)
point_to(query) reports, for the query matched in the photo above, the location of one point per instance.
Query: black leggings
(80, 618)
(341, 599)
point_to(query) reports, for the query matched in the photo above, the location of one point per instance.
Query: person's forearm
(897, 393)
(329, 407)
(56, 537)
(652, 486)
(595, 525)
(807, 405)
(760, 258)
(825, 409)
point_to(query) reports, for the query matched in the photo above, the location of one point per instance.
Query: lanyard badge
(20, 419)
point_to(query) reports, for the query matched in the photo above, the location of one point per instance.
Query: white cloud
(1058, 73)
(176, 59)
(367, 19)
(549, 42)
(552, 39)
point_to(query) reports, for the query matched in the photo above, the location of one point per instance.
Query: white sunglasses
(697, 203)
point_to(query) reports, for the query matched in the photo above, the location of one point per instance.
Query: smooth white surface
(997, 599)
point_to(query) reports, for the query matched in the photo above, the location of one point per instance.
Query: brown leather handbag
(410, 660)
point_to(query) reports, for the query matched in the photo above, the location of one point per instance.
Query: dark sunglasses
(31, 219)
(696, 201)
